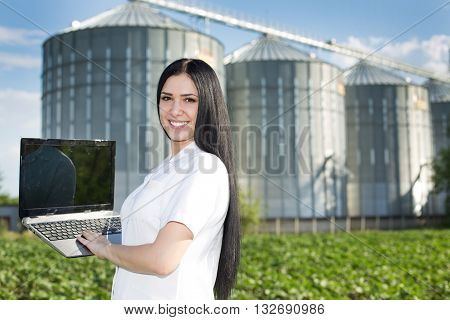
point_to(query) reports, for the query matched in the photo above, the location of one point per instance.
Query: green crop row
(410, 264)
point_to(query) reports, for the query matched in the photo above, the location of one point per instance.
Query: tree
(6, 199)
(250, 211)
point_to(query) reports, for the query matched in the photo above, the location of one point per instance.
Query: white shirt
(192, 187)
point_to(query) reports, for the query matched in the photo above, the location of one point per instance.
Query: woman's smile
(178, 124)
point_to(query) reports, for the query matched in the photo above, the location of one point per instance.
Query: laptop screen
(65, 176)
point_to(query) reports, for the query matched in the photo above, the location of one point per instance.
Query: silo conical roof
(438, 91)
(130, 14)
(367, 74)
(266, 48)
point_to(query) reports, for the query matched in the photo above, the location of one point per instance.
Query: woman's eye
(165, 98)
(190, 100)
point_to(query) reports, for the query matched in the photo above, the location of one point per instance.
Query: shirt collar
(180, 159)
(188, 149)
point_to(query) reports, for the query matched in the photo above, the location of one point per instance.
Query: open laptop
(67, 186)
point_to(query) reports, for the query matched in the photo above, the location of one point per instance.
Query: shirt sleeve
(195, 200)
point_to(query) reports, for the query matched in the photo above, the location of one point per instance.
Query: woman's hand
(96, 243)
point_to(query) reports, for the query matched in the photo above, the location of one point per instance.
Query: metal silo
(389, 144)
(439, 96)
(100, 77)
(289, 111)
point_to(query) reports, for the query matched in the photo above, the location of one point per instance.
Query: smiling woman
(180, 228)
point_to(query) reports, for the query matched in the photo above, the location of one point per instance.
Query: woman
(180, 228)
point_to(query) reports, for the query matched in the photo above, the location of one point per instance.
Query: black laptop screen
(65, 176)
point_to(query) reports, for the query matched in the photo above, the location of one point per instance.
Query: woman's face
(178, 107)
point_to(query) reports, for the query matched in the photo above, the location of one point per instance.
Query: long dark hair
(213, 135)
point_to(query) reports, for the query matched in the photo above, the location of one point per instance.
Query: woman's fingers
(87, 236)
(90, 235)
(95, 242)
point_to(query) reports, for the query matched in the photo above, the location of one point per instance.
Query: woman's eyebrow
(188, 94)
(183, 95)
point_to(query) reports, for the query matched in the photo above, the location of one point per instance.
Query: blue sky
(362, 24)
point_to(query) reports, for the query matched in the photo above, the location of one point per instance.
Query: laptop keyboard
(70, 229)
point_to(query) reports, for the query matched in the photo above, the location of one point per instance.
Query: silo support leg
(314, 225)
(332, 224)
(377, 222)
(296, 225)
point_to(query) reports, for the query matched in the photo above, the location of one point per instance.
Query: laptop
(67, 186)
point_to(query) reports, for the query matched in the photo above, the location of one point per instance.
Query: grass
(411, 264)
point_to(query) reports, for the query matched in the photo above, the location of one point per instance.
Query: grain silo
(389, 144)
(289, 111)
(439, 96)
(100, 77)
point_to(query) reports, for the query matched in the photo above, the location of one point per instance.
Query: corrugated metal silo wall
(440, 113)
(101, 84)
(297, 109)
(388, 139)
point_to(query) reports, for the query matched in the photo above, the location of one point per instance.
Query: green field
(412, 264)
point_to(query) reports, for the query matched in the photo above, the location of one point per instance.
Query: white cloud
(400, 50)
(436, 66)
(431, 54)
(20, 116)
(22, 37)
(357, 43)
(10, 61)
(377, 41)
(17, 96)
(437, 47)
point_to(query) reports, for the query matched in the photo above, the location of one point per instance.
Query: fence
(333, 224)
